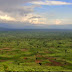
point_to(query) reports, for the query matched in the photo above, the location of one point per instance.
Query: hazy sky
(36, 13)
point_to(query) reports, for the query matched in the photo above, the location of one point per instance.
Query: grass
(35, 51)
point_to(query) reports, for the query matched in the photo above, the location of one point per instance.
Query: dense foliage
(36, 50)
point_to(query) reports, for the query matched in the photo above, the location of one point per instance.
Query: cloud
(16, 6)
(8, 18)
(16, 11)
(48, 2)
(15, 3)
(30, 18)
(58, 22)
(22, 12)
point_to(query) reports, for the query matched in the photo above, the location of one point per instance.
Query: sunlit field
(36, 50)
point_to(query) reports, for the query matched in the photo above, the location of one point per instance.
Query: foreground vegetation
(36, 50)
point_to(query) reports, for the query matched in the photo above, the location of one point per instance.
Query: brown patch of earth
(37, 61)
(7, 49)
(25, 58)
(55, 63)
(23, 49)
(2, 60)
(48, 64)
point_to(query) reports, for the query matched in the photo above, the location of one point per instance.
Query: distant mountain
(4, 26)
(4, 29)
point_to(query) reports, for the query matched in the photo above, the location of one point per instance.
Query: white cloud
(8, 18)
(58, 22)
(30, 18)
(16, 11)
(48, 2)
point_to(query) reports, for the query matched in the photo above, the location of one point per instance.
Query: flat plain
(36, 50)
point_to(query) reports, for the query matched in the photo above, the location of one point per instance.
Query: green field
(36, 50)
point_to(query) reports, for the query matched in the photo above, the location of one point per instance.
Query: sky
(36, 14)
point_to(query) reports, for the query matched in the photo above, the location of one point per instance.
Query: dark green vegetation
(36, 50)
